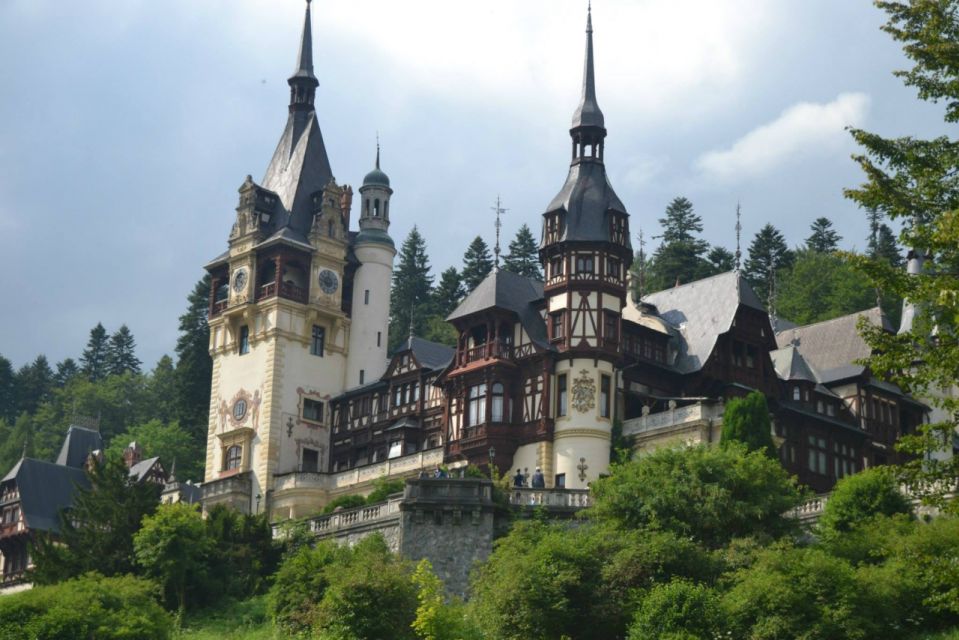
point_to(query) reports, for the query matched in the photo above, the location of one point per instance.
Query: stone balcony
(404, 466)
(558, 498)
(696, 423)
(232, 490)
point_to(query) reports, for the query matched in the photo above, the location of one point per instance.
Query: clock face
(239, 280)
(328, 281)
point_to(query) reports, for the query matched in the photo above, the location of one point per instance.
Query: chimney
(132, 454)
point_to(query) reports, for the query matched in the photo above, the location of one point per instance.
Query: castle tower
(586, 254)
(375, 251)
(279, 325)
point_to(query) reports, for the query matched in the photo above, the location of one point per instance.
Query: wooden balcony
(284, 290)
(493, 350)
(12, 528)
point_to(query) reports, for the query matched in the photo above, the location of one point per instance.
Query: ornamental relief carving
(584, 392)
(241, 408)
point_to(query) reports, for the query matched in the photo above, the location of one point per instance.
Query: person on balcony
(539, 482)
(518, 479)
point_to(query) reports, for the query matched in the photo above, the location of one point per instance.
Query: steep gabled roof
(701, 311)
(832, 347)
(586, 197)
(790, 365)
(78, 445)
(430, 355)
(510, 292)
(141, 469)
(45, 489)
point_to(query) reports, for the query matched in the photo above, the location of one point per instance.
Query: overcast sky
(126, 127)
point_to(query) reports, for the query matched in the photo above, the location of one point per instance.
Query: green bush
(90, 606)
(299, 585)
(804, 593)
(370, 595)
(746, 421)
(709, 494)
(859, 497)
(346, 502)
(678, 610)
(383, 489)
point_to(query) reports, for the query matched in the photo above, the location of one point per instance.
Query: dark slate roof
(701, 311)
(588, 113)
(790, 365)
(79, 443)
(586, 197)
(833, 346)
(430, 355)
(299, 168)
(142, 468)
(511, 292)
(45, 488)
(802, 409)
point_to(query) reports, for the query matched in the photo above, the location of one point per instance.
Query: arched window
(234, 455)
(329, 228)
(376, 208)
(386, 208)
(497, 405)
(367, 208)
(477, 405)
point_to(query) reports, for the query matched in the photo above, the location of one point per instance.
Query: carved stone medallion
(584, 392)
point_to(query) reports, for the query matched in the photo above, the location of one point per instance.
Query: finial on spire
(498, 224)
(739, 230)
(588, 113)
(377, 149)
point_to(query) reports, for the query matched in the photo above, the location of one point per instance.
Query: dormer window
(797, 394)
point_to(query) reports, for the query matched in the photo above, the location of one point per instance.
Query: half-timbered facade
(307, 406)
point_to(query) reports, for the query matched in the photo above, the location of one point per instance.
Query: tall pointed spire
(739, 230)
(303, 83)
(588, 113)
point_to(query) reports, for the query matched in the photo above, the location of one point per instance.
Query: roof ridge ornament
(303, 82)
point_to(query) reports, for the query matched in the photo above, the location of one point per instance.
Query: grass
(945, 635)
(246, 620)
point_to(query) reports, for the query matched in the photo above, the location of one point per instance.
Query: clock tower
(280, 313)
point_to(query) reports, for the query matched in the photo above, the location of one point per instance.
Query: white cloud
(803, 130)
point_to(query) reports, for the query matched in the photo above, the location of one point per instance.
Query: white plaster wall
(582, 434)
(525, 458)
(374, 275)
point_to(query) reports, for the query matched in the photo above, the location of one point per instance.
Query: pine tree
(477, 264)
(822, 286)
(720, 260)
(194, 367)
(523, 256)
(410, 299)
(161, 387)
(121, 353)
(93, 362)
(34, 384)
(8, 391)
(97, 533)
(681, 256)
(448, 293)
(887, 248)
(824, 238)
(66, 371)
(767, 252)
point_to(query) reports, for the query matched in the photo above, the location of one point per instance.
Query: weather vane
(739, 230)
(499, 224)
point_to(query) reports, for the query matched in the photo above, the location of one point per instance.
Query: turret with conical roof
(375, 205)
(375, 250)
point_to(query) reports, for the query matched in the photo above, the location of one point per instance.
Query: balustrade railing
(358, 516)
(673, 416)
(567, 498)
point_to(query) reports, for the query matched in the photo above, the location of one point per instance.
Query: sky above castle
(127, 127)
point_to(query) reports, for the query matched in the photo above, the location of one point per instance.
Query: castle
(307, 404)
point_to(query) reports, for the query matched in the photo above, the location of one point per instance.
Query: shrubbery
(90, 606)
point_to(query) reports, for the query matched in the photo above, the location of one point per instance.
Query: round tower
(375, 250)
